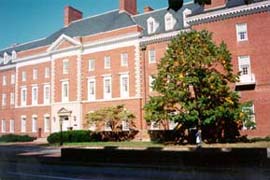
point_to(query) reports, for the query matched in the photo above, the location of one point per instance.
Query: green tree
(113, 116)
(193, 83)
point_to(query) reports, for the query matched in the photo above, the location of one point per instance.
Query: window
(14, 55)
(23, 76)
(151, 80)
(34, 95)
(65, 91)
(91, 65)
(107, 126)
(92, 126)
(47, 72)
(65, 66)
(23, 96)
(91, 89)
(124, 85)
(46, 124)
(124, 59)
(169, 21)
(249, 123)
(172, 125)
(35, 74)
(11, 126)
(186, 12)
(107, 88)
(244, 65)
(23, 124)
(107, 62)
(4, 99)
(152, 56)
(125, 126)
(4, 83)
(152, 25)
(241, 30)
(154, 125)
(12, 79)
(3, 129)
(34, 123)
(12, 98)
(46, 94)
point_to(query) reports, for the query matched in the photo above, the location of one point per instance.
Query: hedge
(70, 136)
(16, 138)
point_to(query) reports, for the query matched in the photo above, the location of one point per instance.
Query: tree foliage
(113, 116)
(193, 83)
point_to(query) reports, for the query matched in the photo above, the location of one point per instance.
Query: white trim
(91, 97)
(112, 99)
(63, 37)
(124, 93)
(105, 94)
(65, 98)
(45, 100)
(224, 12)
(137, 69)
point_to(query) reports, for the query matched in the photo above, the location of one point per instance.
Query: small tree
(113, 116)
(193, 84)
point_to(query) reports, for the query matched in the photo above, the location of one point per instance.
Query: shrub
(70, 136)
(114, 135)
(168, 136)
(16, 138)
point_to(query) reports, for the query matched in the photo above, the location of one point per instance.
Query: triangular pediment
(63, 42)
(64, 111)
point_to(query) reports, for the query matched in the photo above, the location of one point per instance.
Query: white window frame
(34, 123)
(185, 14)
(46, 123)
(152, 25)
(23, 99)
(107, 95)
(154, 125)
(35, 74)
(244, 61)
(46, 97)
(152, 56)
(125, 125)
(12, 79)
(107, 127)
(91, 64)
(241, 28)
(107, 62)
(124, 91)
(124, 59)
(47, 72)
(11, 126)
(35, 95)
(23, 124)
(65, 69)
(23, 76)
(13, 55)
(151, 80)
(91, 97)
(65, 97)
(252, 117)
(4, 82)
(169, 21)
(3, 126)
(4, 99)
(12, 98)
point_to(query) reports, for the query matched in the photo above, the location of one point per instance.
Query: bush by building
(16, 138)
(70, 136)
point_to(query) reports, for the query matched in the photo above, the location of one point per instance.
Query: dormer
(14, 55)
(186, 12)
(169, 21)
(152, 25)
(1, 60)
(6, 58)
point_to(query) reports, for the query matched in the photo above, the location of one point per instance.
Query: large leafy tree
(193, 83)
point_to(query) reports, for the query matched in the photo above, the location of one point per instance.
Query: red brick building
(108, 59)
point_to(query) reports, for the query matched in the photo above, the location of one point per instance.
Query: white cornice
(224, 12)
(6, 67)
(62, 38)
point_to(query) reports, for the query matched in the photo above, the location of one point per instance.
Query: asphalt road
(35, 162)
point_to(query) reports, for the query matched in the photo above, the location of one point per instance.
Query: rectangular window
(125, 126)
(65, 91)
(107, 88)
(35, 74)
(107, 126)
(23, 124)
(12, 79)
(124, 59)
(23, 96)
(4, 99)
(23, 76)
(11, 126)
(91, 65)
(241, 31)
(4, 82)
(244, 65)
(3, 129)
(107, 62)
(152, 56)
(47, 72)
(34, 124)
(34, 95)
(124, 85)
(151, 80)
(46, 124)
(12, 98)
(46, 94)
(250, 123)
(65, 66)
(91, 89)
(154, 125)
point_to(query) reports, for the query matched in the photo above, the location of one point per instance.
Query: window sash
(11, 126)
(107, 88)
(124, 59)
(124, 81)
(91, 89)
(34, 124)
(65, 91)
(152, 56)
(65, 67)
(47, 124)
(23, 124)
(107, 62)
(241, 30)
(34, 96)
(91, 65)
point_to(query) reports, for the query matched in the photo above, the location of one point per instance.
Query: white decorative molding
(137, 69)
(223, 12)
(111, 99)
(60, 39)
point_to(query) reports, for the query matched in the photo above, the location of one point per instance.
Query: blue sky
(26, 20)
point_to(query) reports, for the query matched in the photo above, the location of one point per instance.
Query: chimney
(147, 9)
(215, 4)
(71, 14)
(129, 6)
